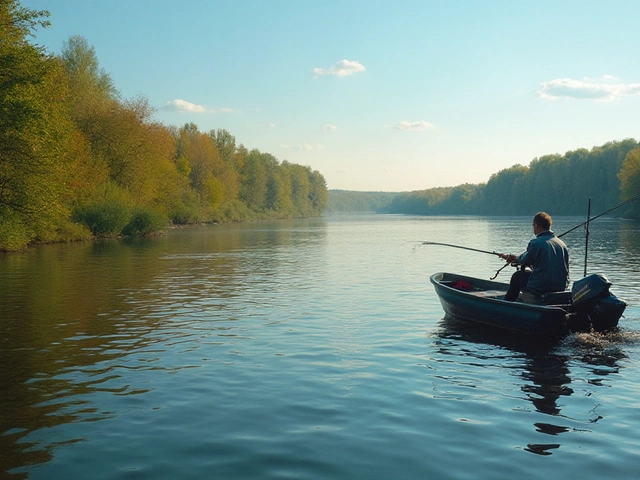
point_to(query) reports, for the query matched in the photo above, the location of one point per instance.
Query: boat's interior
(560, 299)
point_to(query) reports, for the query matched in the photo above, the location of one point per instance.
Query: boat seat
(552, 298)
(557, 298)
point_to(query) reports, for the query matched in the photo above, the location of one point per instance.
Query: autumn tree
(38, 142)
(278, 198)
(254, 179)
(89, 84)
(228, 169)
(319, 194)
(630, 179)
(197, 153)
(75, 156)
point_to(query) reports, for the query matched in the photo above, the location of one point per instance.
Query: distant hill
(343, 201)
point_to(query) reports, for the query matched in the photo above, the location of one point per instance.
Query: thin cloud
(343, 68)
(309, 146)
(179, 105)
(606, 88)
(329, 127)
(302, 146)
(414, 126)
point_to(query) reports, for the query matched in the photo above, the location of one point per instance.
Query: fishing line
(626, 202)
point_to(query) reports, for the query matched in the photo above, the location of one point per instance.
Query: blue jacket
(548, 258)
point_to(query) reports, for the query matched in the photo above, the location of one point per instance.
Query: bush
(145, 222)
(107, 213)
(104, 219)
(14, 234)
(186, 209)
(63, 230)
(235, 211)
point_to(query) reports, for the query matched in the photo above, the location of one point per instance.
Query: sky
(376, 95)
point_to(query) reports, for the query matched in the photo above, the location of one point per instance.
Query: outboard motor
(591, 298)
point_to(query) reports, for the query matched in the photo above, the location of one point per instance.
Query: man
(548, 258)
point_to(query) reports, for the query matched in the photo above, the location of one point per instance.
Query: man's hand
(508, 257)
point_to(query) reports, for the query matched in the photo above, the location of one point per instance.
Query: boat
(588, 306)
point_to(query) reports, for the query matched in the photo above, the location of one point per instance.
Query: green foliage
(18, 22)
(630, 181)
(185, 209)
(319, 194)
(108, 214)
(279, 194)
(212, 192)
(65, 231)
(559, 184)
(351, 201)
(89, 83)
(78, 160)
(233, 212)
(14, 234)
(104, 219)
(145, 222)
(254, 178)
(38, 142)
(504, 189)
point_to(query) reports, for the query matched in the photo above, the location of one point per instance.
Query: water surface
(306, 349)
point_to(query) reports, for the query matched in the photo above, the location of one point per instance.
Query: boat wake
(618, 337)
(602, 349)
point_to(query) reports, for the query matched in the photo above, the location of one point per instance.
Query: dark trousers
(518, 281)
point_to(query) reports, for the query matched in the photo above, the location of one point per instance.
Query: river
(306, 349)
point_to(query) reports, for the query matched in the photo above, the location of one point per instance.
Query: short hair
(543, 220)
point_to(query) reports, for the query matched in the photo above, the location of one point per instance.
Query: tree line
(560, 184)
(351, 201)
(77, 160)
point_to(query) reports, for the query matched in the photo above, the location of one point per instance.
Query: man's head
(543, 221)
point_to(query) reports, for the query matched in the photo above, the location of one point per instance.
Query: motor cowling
(589, 289)
(591, 298)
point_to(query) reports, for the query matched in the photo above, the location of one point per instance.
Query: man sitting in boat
(548, 258)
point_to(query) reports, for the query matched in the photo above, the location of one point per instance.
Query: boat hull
(483, 302)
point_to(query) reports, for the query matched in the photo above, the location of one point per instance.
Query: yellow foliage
(630, 174)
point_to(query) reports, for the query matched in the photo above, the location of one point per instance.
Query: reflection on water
(79, 321)
(543, 366)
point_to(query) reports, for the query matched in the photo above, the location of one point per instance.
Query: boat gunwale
(498, 301)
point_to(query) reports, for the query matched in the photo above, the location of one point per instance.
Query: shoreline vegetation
(560, 184)
(78, 161)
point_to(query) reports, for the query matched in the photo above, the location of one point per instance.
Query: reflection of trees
(72, 315)
(545, 369)
(55, 328)
(630, 241)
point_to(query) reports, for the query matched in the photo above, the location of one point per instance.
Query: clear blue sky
(376, 95)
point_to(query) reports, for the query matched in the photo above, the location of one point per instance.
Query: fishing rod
(586, 237)
(585, 224)
(588, 220)
(473, 250)
(460, 246)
